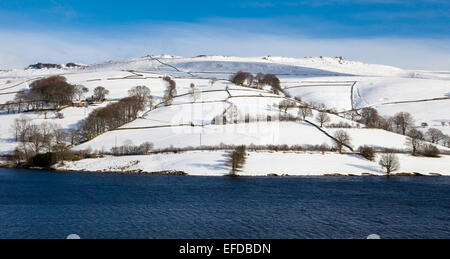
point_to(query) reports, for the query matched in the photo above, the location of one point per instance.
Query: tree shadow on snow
(366, 168)
(217, 165)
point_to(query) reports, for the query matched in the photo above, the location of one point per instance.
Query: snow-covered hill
(337, 83)
(320, 66)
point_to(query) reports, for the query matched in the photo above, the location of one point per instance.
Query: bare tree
(21, 128)
(80, 91)
(75, 136)
(403, 121)
(434, 135)
(36, 139)
(385, 123)
(236, 160)
(389, 162)
(146, 147)
(351, 115)
(415, 140)
(46, 130)
(341, 139)
(59, 134)
(100, 93)
(304, 111)
(370, 117)
(322, 118)
(286, 105)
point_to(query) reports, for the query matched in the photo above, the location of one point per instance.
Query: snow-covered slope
(337, 83)
(320, 66)
(258, 164)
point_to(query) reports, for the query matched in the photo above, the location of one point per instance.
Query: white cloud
(21, 48)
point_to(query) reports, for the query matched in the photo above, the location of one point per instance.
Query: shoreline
(181, 173)
(258, 164)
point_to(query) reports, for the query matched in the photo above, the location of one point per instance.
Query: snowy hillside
(250, 114)
(305, 67)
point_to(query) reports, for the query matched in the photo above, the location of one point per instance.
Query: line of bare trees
(417, 142)
(128, 149)
(171, 90)
(115, 114)
(400, 123)
(403, 123)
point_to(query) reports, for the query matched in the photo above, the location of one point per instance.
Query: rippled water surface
(40, 204)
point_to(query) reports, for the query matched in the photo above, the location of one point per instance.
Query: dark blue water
(53, 205)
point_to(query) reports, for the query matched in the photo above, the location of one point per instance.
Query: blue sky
(410, 34)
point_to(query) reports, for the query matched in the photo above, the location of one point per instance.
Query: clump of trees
(43, 160)
(236, 160)
(389, 162)
(370, 117)
(430, 150)
(54, 90)
(273, 81)
(143, 94)
(39, 138)
(434, 135)
(402, 122)
(170, 91)
(341, 139)
(367, 152)
(259, 81)
(242, 78)
(48, 93)
(416, 141)
(399, 123)
(128, 149)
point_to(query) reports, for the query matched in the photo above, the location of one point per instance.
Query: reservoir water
(44, 204)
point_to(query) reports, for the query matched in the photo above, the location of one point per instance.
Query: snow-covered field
(260, 133)
(258, 164)
(337, 83)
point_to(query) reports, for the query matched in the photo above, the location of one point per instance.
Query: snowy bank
(207, 163)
